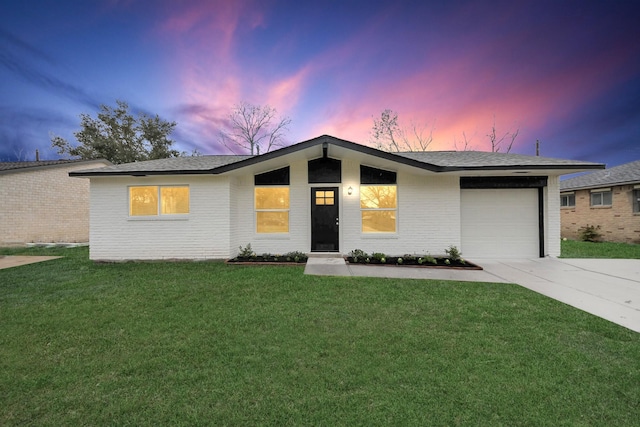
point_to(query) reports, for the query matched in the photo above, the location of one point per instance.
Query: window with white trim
(378, 200)
(567, 200)
(155, 200)
(601, 198)
(271, 201)
(636, 201)
(379, 208)
(272, 209)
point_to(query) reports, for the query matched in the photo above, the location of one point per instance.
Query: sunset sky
(566, 73)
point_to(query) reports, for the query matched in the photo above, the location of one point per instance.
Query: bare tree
(255, 128)
(465, 143)
(388, 135)
(498, 141)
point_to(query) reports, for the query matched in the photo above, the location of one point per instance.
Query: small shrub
(429, 259)
(378, 256)
(409, 258)
(358, 254)
(453, 253)
(400, 261)
(447, 261)
(296, 256)
(245, 252)
(590, 233)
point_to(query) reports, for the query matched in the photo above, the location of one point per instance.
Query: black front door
(324, 219)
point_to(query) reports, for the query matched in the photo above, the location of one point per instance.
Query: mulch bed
(260, 260)
(411, 262)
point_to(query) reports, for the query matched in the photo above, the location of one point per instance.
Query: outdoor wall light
(350, 190)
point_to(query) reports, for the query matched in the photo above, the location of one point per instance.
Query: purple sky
(564, 72)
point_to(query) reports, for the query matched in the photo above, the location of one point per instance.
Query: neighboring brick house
(608, 198)
(42, 204)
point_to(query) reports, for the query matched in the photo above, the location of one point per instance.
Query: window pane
(174, 200)
(378, 221)
(378, 196)
(636, 200)
(319, 200)
(143, 200)
(272, 197)
(596, 199)
(606, 198)
(272, 222)
(329, 201)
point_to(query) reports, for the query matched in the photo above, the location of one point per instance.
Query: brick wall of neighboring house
(617, 222)
(45, 205)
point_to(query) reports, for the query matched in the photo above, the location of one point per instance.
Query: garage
(500, 222)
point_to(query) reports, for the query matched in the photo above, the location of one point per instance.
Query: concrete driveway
(608, 288)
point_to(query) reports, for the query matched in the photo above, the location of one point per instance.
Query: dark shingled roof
(436, 161)
(8, 167)
(185, 165)
(629, 173)
(484, 159)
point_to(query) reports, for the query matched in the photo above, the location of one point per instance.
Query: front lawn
(212, 344)
(578, 249)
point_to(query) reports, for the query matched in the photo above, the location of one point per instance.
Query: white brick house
(41, 203)
(328, 194)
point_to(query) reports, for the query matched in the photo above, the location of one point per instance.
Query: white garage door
(499, 223)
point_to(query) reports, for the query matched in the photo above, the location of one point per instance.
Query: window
(272, 209)
(567, 200)
(148, 200)
(636, 201)
(601, 198)
(378, 205)
(325, 198)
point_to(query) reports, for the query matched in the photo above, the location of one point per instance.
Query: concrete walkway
(608, 288)
(15, 261)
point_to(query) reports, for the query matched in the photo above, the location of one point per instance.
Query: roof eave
(609, 184)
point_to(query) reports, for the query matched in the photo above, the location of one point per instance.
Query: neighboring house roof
(435, 161)
(629, 173)
(14, 167)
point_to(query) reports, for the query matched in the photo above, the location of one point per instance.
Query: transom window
(378, 206)
(153, 200)
(567, 200)
(601, 198)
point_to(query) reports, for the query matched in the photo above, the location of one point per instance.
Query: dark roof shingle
(7, 167)
(628, 173)
(436, 161)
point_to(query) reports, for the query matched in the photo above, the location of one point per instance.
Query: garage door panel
(499, 223)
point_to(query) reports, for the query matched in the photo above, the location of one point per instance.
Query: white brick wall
(428, 216)
(552, 216)
(45, 205)
(298, 238)
(202, 234)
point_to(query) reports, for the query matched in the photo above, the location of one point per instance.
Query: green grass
(578, 249)
(211, 344)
